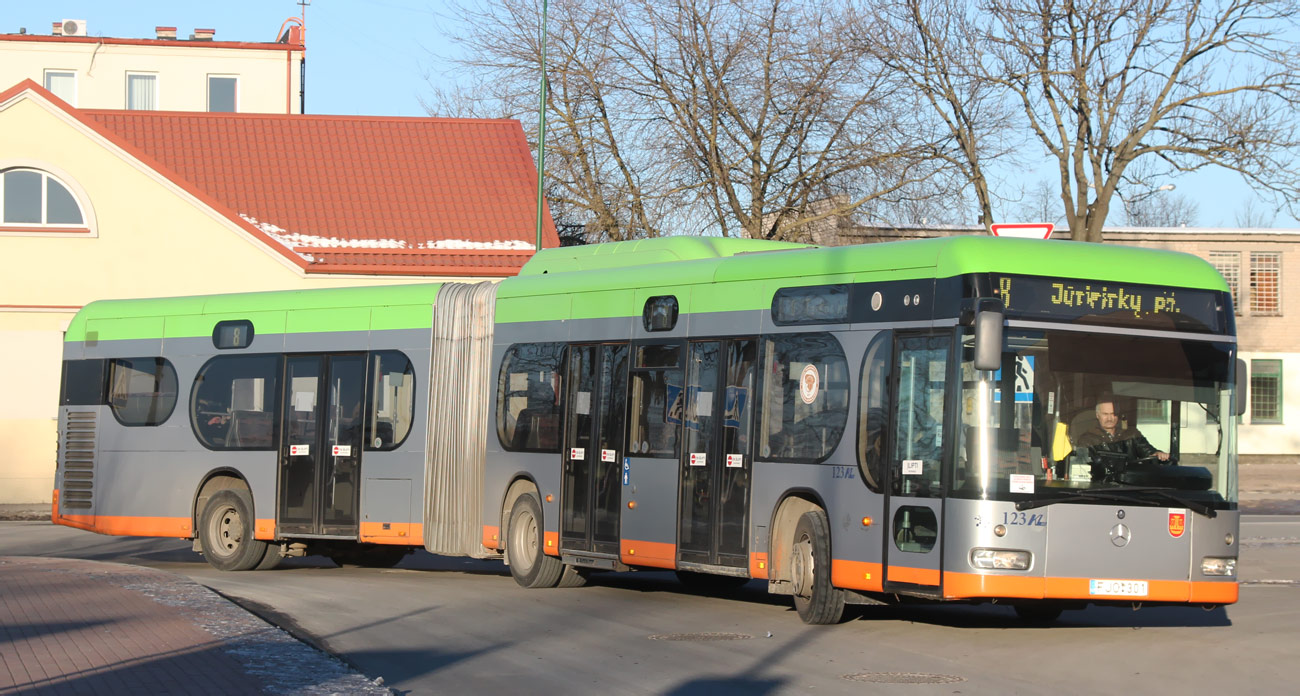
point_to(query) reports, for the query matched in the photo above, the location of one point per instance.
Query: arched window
(33, 198)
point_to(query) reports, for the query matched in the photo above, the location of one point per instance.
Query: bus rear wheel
(816, 600)
(529, 564)
(226, 532)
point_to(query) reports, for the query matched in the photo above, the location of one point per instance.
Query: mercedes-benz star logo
(1120, 535)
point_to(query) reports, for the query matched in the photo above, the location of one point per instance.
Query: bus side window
(233, 401)
(656, 401)
(142, 391)
(873, 414)
(805, 397)
(527, 408)
(392, 400)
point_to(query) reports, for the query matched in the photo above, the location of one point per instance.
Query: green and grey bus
(932, 419)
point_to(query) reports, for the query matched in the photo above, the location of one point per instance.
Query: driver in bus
(1107, 436)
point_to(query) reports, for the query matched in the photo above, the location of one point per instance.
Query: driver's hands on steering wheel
(1162, 456)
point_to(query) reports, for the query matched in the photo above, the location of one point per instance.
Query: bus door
(595, 408)
(320, 449)
(914, 479)
(716, 465)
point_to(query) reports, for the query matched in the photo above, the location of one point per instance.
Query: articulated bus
(852, 425)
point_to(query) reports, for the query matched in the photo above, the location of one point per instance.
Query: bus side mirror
(1239, 407)
(988, 334)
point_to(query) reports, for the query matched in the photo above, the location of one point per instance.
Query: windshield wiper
(1122, 495)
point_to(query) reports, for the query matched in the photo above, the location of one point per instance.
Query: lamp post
(541, 135)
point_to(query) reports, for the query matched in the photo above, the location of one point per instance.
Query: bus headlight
(1000, 559)
(1226, 567)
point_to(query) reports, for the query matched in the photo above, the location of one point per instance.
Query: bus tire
(529, 564)
(271, 559)
(816, 600)
(573, 576)
(226, 531)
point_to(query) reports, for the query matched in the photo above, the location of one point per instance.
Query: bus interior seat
(249, 429)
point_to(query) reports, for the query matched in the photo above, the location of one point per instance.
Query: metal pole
(541, 135)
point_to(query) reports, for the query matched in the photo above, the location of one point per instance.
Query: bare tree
(935, 47)
(1253, 214)
(1159, 209)
(771, 111)
(1101, 84)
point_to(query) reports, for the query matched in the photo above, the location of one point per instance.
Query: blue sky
(376, 58)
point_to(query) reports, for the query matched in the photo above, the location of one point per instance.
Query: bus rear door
(595, 412)
(320, 449)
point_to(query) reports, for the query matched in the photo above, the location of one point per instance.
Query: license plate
(1118, 588)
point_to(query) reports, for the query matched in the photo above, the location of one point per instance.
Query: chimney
(165, 32)
(58, 29)
(202, 34)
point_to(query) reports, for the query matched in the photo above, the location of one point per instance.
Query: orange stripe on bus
(552, 541)
(491, 536)
(54, 506)
(758, 565)
(856, 575)
(399, 533)
(648, 553)
(176, 527)
(916, 576)
(970, 585)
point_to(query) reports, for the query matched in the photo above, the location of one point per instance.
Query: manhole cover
(701, 636)
(904, 678)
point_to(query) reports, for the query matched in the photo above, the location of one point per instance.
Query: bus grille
(78, 461)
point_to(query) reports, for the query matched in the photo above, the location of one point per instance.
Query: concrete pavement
(86, 627)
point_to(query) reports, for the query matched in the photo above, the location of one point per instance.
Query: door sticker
(342, 450)
(809, 383)
(627, 471)
(608, 455)
(697, 459)
(299, 450)
(577, 453)
(913, 467)
(735, 461)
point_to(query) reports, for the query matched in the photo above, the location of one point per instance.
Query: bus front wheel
(529, 564)
(226, 532)
(816, 600)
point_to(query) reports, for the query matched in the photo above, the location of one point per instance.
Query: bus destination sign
(1125, 304)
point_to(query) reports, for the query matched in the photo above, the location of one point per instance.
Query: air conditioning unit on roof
(74, 27)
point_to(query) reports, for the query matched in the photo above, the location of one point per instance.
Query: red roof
(350, 194)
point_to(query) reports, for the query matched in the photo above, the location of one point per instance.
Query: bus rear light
(1000, 559)
(1224, 567)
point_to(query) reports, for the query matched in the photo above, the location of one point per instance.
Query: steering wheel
(1153, 459)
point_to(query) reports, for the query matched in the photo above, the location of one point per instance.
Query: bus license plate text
(1118, 588)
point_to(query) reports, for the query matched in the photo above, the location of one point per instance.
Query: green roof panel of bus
(232, 305)
(642, 252)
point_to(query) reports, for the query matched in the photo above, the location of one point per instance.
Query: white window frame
(87, 228)
(208, 90)
(157, 89)
(45, 82)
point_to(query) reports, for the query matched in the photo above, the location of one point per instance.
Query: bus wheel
(573, 577)
(529, 564)
(226, 531)
(810, 571)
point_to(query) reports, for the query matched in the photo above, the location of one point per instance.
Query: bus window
(873, 416)
(141, 391)
(232, 405)
(656, 401)
(805, 397)
(918, 442)
(392, 400)
(528, 410)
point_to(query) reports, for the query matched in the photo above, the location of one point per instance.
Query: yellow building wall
(150, 240)
(265, 76)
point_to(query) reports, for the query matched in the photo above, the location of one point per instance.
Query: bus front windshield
(1091, 416)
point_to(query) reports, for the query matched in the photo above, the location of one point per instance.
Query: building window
(141, 92)
(1266, 283)
(1228, 264)
(63, 84)
(222, 93)
(1265, 391)
(33, 197)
